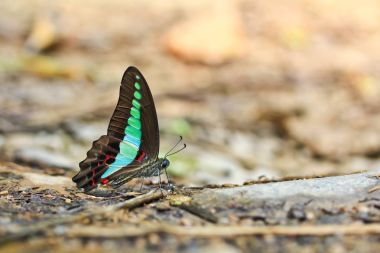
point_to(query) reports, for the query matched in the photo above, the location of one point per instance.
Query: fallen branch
(219, 231)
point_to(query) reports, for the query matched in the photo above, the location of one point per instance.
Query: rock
(213, 37)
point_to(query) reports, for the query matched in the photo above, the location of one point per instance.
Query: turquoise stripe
(119, 162)
(133, 140)
(128, 149)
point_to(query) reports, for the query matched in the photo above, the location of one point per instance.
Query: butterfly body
(130, 148)
(151, 169)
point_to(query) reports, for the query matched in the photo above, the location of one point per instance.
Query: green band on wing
(137, 85)
(134, 122)
(129, 130)
(137, 95)
(136, 103)
(135, 113)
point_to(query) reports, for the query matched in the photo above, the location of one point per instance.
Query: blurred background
(259, 89)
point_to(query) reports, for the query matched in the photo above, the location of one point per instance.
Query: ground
(262, 92)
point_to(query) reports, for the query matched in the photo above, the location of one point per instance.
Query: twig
(24, 232)
(201, 212)
(373, 189)
(220, 231)
(135, 202)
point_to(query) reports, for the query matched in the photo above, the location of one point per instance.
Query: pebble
(2, 193)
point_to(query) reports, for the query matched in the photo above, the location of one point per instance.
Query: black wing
(104, 150)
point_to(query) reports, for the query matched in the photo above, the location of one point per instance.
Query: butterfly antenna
(184, 146)
(180, 139)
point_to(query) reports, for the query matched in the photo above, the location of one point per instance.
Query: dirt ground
(261, 91)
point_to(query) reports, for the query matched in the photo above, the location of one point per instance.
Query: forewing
(150, 143)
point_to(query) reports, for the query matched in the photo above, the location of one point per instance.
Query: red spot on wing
(104, 181)
(92, 180)
(141, 156)
(107, 158)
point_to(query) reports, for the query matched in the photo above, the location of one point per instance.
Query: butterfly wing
(150, 143)
(132, 137)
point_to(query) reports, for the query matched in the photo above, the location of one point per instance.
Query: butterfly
(130, 148)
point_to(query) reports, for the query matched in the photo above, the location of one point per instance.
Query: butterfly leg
(159, 180)
(142, 183)
(171, 186)
(142, 176)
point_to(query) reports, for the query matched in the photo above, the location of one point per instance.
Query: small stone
(2, 193)
(185, 222)
(163, 206)
(297, 212)
(310, 216)
(179, 200)
(154, 239)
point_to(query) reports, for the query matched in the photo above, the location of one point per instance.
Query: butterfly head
(165, 163)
